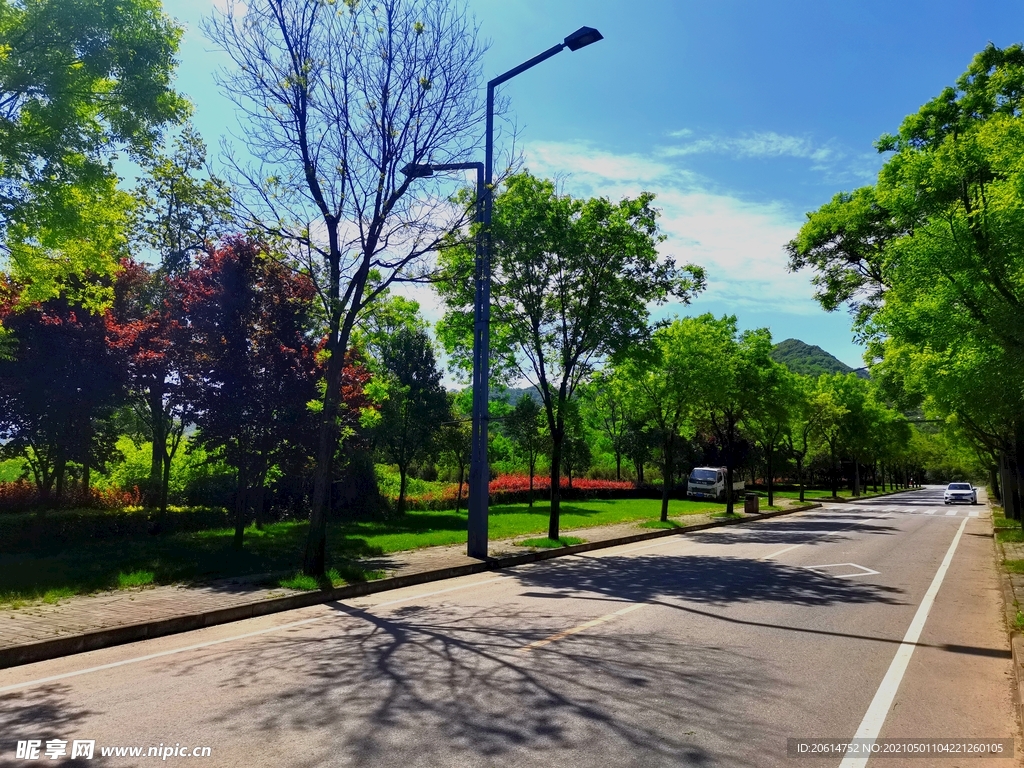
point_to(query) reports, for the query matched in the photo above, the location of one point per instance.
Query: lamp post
(479, 473)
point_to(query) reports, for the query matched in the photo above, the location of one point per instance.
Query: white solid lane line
(880, 705)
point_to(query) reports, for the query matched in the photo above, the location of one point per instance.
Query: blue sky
(740, 116)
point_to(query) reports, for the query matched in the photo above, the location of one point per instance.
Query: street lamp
(479, 474)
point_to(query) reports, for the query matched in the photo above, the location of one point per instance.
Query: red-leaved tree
(249, 367)
(59, 385)
(142, 326)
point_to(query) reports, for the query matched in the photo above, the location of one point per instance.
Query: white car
(960, 492)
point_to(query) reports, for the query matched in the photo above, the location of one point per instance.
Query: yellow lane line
(587, 625)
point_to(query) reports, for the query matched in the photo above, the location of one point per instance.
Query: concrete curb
(29, 653)
(1016, 637)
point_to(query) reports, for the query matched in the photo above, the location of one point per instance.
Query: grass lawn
(54, 570)
(561, 541)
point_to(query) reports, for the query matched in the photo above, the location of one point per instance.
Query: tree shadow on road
(444, 684)
(704, 579)
(793, 531)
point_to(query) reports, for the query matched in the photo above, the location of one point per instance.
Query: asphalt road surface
(881, 618)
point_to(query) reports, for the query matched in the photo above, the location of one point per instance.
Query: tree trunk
(993, 482)
(260, 492)
(1011, 490)
(1004, 481)
(1018, 467)
(769, 454)
(533, 471)
(556, 466)
(874, 475)
(241, 502)
(835, 475)
(403, 471)
(667, 477)
(856, 476)
(618, 466)
(165, 484)
(314, 557)
(728, 486)
(800, 476)
(59, 474)
(155, 402)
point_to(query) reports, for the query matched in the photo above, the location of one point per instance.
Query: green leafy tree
(605, 410)
(930, 256)
(732, 391)
(638, 443)
(771, 418)
(572, 284)
(455, 443)
(80, 80)
(182, 209)
(577, 456)
(832, 398)
(804, 415)
(416, 405)
(523, 425)
(661, 382)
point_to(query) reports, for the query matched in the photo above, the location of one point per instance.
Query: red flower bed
(17, 496)
(515, 483)
(515, 489)
(21, 495)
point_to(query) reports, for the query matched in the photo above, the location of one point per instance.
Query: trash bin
(750, 504)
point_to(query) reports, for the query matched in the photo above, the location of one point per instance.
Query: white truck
(709, 483)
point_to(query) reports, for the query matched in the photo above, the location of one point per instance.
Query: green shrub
(28, 532)
(12, 470)
(196, 476)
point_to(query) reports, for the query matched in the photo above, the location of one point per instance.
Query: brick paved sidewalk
(106, 610)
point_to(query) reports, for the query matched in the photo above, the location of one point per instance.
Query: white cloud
(762, 144)
(739, 242)
(584, 160)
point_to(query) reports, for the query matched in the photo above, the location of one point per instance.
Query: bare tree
(336, 97)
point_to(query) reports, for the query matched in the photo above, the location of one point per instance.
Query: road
(706, 650)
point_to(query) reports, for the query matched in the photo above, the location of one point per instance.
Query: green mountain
(809, 360)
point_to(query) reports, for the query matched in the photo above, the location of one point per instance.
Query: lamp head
(581, 38)
(415, 171)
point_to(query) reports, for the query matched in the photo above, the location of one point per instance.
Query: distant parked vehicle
(709, 483)
(960, 492)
